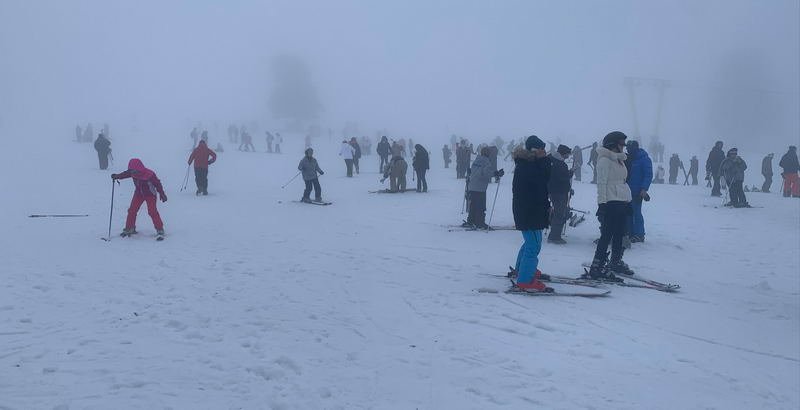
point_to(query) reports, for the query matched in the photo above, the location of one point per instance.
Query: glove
(644, 195)
(114, 176)
(321, 173)
(163, 197)
(499, 173)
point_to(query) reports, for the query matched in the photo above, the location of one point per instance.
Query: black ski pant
(694, 178)
(673, 177)
(201, 179)
(767, 183)
(736, 192)
(717, 189)
(613, 224)
(349, 164)
(317, 189)
(422, 184)
(477, 209)
(102, 157)
(384, 162)
(559, 215)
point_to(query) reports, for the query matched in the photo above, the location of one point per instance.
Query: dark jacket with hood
(715, 158)
(383, 147)
(560, 175)
(530, 203)
(789, 162)
(421, 159)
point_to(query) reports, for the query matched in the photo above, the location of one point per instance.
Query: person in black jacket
(383, 152)
(103, 147)
(421, 165)
(559, 188)
(713, 162)
(447, 154)
(790, 165)
(531, 208)
(357, 154)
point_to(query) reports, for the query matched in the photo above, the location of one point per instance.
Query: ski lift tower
(660, 85)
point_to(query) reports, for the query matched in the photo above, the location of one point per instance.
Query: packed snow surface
(257, 302)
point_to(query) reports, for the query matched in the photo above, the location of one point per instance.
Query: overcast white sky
(421, 68)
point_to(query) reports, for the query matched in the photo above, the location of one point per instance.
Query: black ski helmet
(613, 139)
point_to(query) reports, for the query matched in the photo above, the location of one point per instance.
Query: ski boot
(539, 276)
(318, 199)
(598, 271)
(533, 286)
(557, 241)
(160, 235)
(468, 225)
(305, 200)
(620, 268)
(128, 232)
(637, 238)
(626, 242)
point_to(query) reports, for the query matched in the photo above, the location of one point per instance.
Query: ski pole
(186, 178)
(290, 181)
(491, 215)
(111, 212)
(57, 215)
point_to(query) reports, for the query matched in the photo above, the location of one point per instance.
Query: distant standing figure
(78, 133)
(715, 158)
(383, 149)
(194, 135)
(694, 167)
(577, 162)
(103, 147)
(278, 142)
(347, 152)
(593, 162)
(447, 154)
(421, 164)
(674, 165)
(766, 171)
(202, 156)
(790, 165)
(732, 169)
(270, 139)
(356, 153)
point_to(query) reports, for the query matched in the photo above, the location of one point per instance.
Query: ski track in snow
(255, 302)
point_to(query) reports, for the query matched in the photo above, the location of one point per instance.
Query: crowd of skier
(541, 187)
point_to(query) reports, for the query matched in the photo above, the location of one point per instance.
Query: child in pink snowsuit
(146, 185)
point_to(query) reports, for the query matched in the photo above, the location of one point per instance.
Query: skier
(613, 199)
(246, 141)
(88, 133)
(694, 167)
(396, 171)
(383, 152)
(270, 139)
(310, 168)
(559, 187)
(278, 142)
(531, 209)
(577, 162)
(194, 135)
(674, 165)
(103, 147)
(640, 174)
(790, 165)
(421, 164)
(766, 171)
(356, 153)
(202, 156)
(447, 154)
(732, 169)
(459, 161)
(593, 162)
(480, 174)
(713, 162)
(146, 185)
(347, 152)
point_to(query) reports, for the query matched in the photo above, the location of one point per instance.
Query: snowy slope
(254, 301)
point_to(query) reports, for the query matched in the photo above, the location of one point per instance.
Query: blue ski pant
(528, 256)
(636, 221)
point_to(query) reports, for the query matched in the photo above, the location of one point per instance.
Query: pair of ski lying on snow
(565, 286)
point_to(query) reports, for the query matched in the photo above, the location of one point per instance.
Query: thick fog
(419, 69)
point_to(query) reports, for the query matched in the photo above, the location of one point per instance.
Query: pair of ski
(159, 237)
(640, 281)
(576, 219)
(323, 203)
(557, 288)
(458, 228)
(389, 191)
